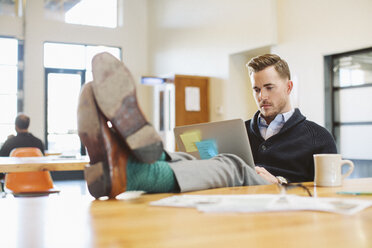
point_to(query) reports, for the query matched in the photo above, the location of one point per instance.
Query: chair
(29, 183)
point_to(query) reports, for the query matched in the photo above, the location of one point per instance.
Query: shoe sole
(104, 177)
(115, 94)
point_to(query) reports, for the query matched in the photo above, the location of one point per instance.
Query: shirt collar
(282, 117)
(288, 115)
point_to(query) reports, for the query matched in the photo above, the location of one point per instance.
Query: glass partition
(355, 141)
(353, 105)
(348, 93)
(63, 93)
(67, 56)
(351, 70)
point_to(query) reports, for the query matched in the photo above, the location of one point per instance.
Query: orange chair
(29, 183)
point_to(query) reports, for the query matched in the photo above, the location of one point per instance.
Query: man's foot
(106, 175)
(115, 94)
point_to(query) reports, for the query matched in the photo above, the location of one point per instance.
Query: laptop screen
(206, 140)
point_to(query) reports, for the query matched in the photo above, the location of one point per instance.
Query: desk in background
(49, 163)
(80, 221)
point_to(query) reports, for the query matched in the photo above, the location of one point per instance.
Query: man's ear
(289, 86)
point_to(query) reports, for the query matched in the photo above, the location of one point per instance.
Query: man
(282, 140)
(23, 137)
(127, 153)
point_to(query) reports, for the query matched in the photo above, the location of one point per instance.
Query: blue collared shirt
(269, 130)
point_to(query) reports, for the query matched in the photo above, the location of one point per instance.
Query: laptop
(230, 136)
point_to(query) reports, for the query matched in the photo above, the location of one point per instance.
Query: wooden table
(49, 163)
(81, 221)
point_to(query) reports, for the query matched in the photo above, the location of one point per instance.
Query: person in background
(23, 138)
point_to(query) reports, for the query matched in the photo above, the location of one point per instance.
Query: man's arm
(4, 151)
(7, 147)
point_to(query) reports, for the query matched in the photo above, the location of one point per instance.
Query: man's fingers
(260, 170)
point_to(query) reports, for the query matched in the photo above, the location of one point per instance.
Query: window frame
(20, 73)
(62, 71)
(330, 99)
(83, 72)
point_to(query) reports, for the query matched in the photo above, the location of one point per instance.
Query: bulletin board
(192, 99)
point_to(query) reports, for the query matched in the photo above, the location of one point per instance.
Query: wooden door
(192, 99)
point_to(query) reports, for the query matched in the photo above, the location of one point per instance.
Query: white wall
(210, 38)
(131, 37)
(10, 26)
(239, 78)
(197, 38)
(308, 30)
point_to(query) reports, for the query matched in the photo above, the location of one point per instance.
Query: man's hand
(266, 175)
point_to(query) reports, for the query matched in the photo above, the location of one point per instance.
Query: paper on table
(207, 148)
(189, 140)
(130, 195)
(264, 203)
(192, 99)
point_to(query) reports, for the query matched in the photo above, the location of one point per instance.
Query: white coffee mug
(328, 169)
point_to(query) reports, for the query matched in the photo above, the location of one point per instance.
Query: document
(192, 98)
(189, 140)
(264, 203)
(207, 148)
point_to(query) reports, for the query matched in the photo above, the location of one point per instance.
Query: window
(84, 12)
(67, 68)
(9, 74)
(11, 7)
(348, 105)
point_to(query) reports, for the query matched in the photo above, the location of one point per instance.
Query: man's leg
(112, 168)
(106, 175)
(157, 177)
(181, 172)
(223, 170)
(115, 94)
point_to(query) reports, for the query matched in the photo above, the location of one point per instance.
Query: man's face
(271, 93)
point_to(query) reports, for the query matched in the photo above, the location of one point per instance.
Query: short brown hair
(261, 62)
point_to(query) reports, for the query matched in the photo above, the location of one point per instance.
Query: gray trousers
(223, 170)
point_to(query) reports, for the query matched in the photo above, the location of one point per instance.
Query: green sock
(163, 157)
(157, 177)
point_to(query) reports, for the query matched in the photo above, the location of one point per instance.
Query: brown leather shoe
(106, 174)
(115, 94)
